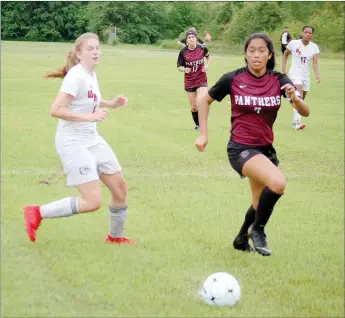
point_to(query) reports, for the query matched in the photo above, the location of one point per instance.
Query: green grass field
(185, 206)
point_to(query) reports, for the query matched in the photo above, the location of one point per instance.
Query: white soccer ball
(221, 289)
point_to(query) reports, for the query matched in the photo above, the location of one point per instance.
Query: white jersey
(284, 38)
(301, 56)
(79, 83)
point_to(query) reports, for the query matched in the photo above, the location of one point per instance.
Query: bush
(115, 41)
(169, 44)
(254, 17)
(329, 32)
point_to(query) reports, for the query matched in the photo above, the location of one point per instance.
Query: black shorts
(239, 154)
(193, 89)
(283, 48)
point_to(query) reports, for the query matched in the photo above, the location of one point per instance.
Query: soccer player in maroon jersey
(191, 62)
(255, 94)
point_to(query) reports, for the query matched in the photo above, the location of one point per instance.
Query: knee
(122, 191)
(277, 185)
(194, 105)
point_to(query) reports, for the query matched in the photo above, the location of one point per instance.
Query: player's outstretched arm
(59, 109)
(298, 103)
(184, 69)
(203, 111)
(284, 60)
(209, 61)
(118, 101)
(316, 67)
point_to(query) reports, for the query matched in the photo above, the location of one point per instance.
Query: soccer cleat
(33, 219)
(118, 240)
(297, 125)
(300, 127)
(259, 241)
(197, 128)
(241, 243)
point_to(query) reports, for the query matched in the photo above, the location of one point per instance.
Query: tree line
(149, 22)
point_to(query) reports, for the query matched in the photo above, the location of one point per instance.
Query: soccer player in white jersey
(85, 155)
(303, 51)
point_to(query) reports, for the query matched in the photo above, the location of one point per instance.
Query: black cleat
(259, 241)
(241, 243)
(197, 127)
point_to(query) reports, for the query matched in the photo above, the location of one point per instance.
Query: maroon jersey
(193, 59)
(255, 102)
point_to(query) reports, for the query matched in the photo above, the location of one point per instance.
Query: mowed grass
(185, 207)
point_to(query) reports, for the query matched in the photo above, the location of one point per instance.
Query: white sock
(60, 208)
(117, 220)
(296, 116)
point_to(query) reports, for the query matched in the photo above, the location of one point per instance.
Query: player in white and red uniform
(86, 157)
(302, 51)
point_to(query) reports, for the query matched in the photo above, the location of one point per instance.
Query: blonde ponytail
(72, 58)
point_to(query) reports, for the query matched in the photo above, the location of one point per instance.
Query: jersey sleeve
(317, 49)
(221, 88)
(180, 59)
(290, 46)
(206, 52)
(284, 79)
(71, 84)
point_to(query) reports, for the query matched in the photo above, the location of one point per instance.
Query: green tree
(40, 21)
(329, 26)
(148, 22)
(180, 16)
(137, 22)
(14, 19)
(254, 17)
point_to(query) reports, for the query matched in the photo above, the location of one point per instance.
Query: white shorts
(299, 80)
(85, 164)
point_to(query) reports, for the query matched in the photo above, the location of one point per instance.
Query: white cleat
(298, 125)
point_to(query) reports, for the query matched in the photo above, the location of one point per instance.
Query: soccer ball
(221, 289)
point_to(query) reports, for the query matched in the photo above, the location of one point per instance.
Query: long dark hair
(271, 63)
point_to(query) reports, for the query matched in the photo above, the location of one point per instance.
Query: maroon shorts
(239, 154)
(193, 89)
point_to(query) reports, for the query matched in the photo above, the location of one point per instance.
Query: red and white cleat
(297, 125)
(300, 127)
(118, 240)
(33, 219)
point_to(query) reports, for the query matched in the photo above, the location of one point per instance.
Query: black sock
(248, 220)
(195, 118)
(267, 201)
